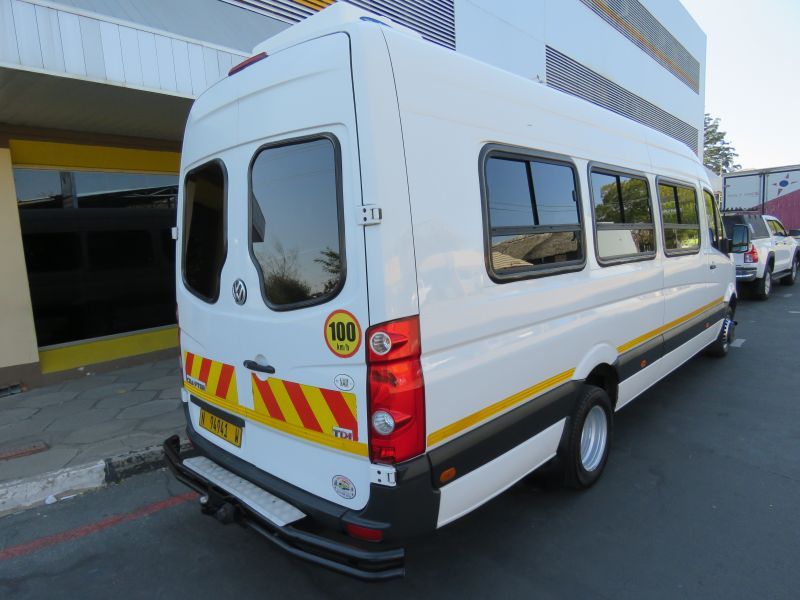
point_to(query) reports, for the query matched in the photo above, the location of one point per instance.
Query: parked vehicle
(384, 327)
(774, 191)
(772, 254)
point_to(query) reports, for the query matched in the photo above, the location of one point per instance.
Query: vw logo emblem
(239, 292)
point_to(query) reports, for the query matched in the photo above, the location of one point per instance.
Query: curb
(20, 494)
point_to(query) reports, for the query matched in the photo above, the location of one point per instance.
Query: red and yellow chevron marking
(209, 377)
(295, 407)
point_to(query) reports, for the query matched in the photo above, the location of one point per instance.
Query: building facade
(94, 96)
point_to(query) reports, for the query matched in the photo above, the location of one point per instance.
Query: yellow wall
(17, 333)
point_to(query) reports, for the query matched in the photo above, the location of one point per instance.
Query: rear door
(272, 336)
(783, 247)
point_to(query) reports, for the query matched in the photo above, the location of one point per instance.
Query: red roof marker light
(247, 62)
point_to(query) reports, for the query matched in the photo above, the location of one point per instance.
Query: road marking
(787, 295)
(79, 532)
(738, 343)
(794, 312)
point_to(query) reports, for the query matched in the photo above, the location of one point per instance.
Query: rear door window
(204, 251)
(296, 233)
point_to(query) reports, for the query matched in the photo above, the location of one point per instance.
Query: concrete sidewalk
(82, 433)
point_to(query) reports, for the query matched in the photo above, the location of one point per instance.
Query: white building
(94, 96)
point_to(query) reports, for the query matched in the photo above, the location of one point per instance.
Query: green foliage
(718, 153)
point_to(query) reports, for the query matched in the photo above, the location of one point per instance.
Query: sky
(753, 76)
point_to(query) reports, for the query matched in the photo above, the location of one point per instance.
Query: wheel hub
(594, 438)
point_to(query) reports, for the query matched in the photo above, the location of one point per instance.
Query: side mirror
(725, 245)
(794, 232)
(741, 238)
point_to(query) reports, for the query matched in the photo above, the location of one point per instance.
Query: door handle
(254, 366)
(712, 266)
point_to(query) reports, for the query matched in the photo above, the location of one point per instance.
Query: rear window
(204, 224)
(295, 222)
(758, 229)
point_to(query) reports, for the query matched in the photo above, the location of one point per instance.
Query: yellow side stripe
(541, 387)
(664, 328)
(497, 407)
(344, 445)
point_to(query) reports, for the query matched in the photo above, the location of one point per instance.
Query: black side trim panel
(476, 448)
(640, 357)
(683, 333)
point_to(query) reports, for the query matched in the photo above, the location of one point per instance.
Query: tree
(718, 153)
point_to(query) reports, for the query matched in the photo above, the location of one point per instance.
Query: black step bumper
(348, 559)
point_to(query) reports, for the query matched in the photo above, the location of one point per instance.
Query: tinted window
(119, 249)
(680, 221)
(623, 219)
(716, 231)
(510, 204)
(295, 228)
(534, 219)
(52, 252)
(758, 229)
(204, 235)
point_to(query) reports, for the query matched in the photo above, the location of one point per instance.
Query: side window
(716, 230)
(204, 230)
(533, 215)
(776, 227)
(758, 226)
(295, 223)
(680, 220)
(623, 218)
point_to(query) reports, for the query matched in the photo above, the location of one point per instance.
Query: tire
(584, 451)
(719, 348)
(763, 287)
(792, 276)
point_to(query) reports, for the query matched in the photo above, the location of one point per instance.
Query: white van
(407, 279)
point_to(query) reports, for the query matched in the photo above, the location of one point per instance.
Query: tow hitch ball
(224, 513)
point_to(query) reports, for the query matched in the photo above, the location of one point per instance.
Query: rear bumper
(337, 555)
(746, 273)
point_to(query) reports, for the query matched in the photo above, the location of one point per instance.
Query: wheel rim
(594, 438)
(794, 269)
(727, 332)
(767, 282)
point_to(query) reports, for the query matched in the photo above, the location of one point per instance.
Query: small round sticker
(344, 487)
(342, 333)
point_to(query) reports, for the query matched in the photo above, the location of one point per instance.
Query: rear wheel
(726, 335)
(790, 278)
(764, 285)
(585, 450)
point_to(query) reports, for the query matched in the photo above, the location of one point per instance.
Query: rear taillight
(751, 256)
(396, 391)
(364, 533)
(247, 62)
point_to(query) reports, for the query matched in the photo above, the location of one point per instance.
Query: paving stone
(104, 391)
(97, 433)
(88, 382)
(120, 374)
(83, 419)
(38, 401)
(168, 363)
(126, 400)
(14, 415)
(169, 422)
(170, 393)
(149, 409)
(43, 462)
(29, 428)
(161, 383)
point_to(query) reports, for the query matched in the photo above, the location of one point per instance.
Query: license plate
(221, 428)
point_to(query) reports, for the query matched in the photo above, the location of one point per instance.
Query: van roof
(334, 18)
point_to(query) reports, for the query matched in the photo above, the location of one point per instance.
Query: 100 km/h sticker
(342, 333)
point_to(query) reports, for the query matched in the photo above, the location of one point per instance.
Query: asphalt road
(700, 499)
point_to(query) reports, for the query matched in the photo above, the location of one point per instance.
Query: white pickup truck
(771, 254)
